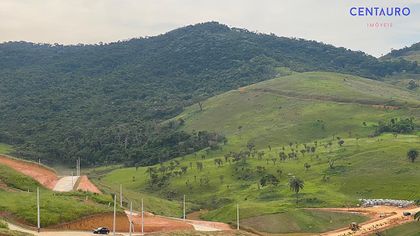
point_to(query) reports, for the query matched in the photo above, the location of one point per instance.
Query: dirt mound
(87, 186)
(151, 223)
(43, 175)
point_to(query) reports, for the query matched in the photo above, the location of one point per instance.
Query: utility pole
(237, 216)
(79, 167)
(115, 214)
(38, 210)
(142, 217)
(72, 181)
(121, 196)
(184, 207)
(131, 217)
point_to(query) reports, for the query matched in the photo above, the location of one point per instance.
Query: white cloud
(92, 21)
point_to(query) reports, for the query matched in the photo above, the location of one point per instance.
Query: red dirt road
(382, 217)
(151, 223)
(43, 175)
(87, 186)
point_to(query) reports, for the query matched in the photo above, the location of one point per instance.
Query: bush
(3, 225)
(395, 125)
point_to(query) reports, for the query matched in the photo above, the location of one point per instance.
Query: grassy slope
(152, 203)
(15, 180)
(288, 109)
(410, 229)
(270, 118)
(15, 199)
(54, 207)
(4, 148)
(301, 221)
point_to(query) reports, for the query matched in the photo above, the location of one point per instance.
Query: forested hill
(411, 53)
(104, 102)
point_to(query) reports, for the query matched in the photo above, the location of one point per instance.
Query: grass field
(410, 229)
(301, 221)
(5, 149)
(300, 108)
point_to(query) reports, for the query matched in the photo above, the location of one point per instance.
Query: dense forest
(106, 103)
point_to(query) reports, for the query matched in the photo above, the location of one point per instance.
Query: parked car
(406, 213)
(101, 230)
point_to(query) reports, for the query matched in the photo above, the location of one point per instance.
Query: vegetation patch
(301, 221)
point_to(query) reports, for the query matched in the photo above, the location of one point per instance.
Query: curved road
(395, 217)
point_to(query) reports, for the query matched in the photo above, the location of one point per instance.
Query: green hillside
(411, 53)
(300, 108)
(316, 126)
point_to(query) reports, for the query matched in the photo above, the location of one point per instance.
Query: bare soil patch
(151, 223)
(43, 175)
(383, 217)
(87, 186)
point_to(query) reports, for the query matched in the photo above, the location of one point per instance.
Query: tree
(307, 166)
(250, 145)
(296, 185)
(200, 104)
(269, 179)
(412, 85)
(199, 166)
(412, 155)
(218, 162)
(274, 160)
(417, 216)
(341, 142)
(331, 164)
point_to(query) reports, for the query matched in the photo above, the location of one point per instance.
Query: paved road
(66, 184)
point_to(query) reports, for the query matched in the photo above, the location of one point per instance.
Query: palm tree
(417, 216)
(412, 155)
(296, 185)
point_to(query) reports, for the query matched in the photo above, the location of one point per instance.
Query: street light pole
(38, 210)
(121, 196)
(131, 218)
(142, 217)
(184, 208)
(115, 213)
(237, 216)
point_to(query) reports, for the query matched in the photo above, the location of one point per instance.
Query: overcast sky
(93, 21)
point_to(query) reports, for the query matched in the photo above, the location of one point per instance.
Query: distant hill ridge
(411, 53)
(102, 102)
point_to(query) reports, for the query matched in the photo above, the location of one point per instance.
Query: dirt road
(383, 217)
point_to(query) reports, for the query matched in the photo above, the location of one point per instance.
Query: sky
(94, 21)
